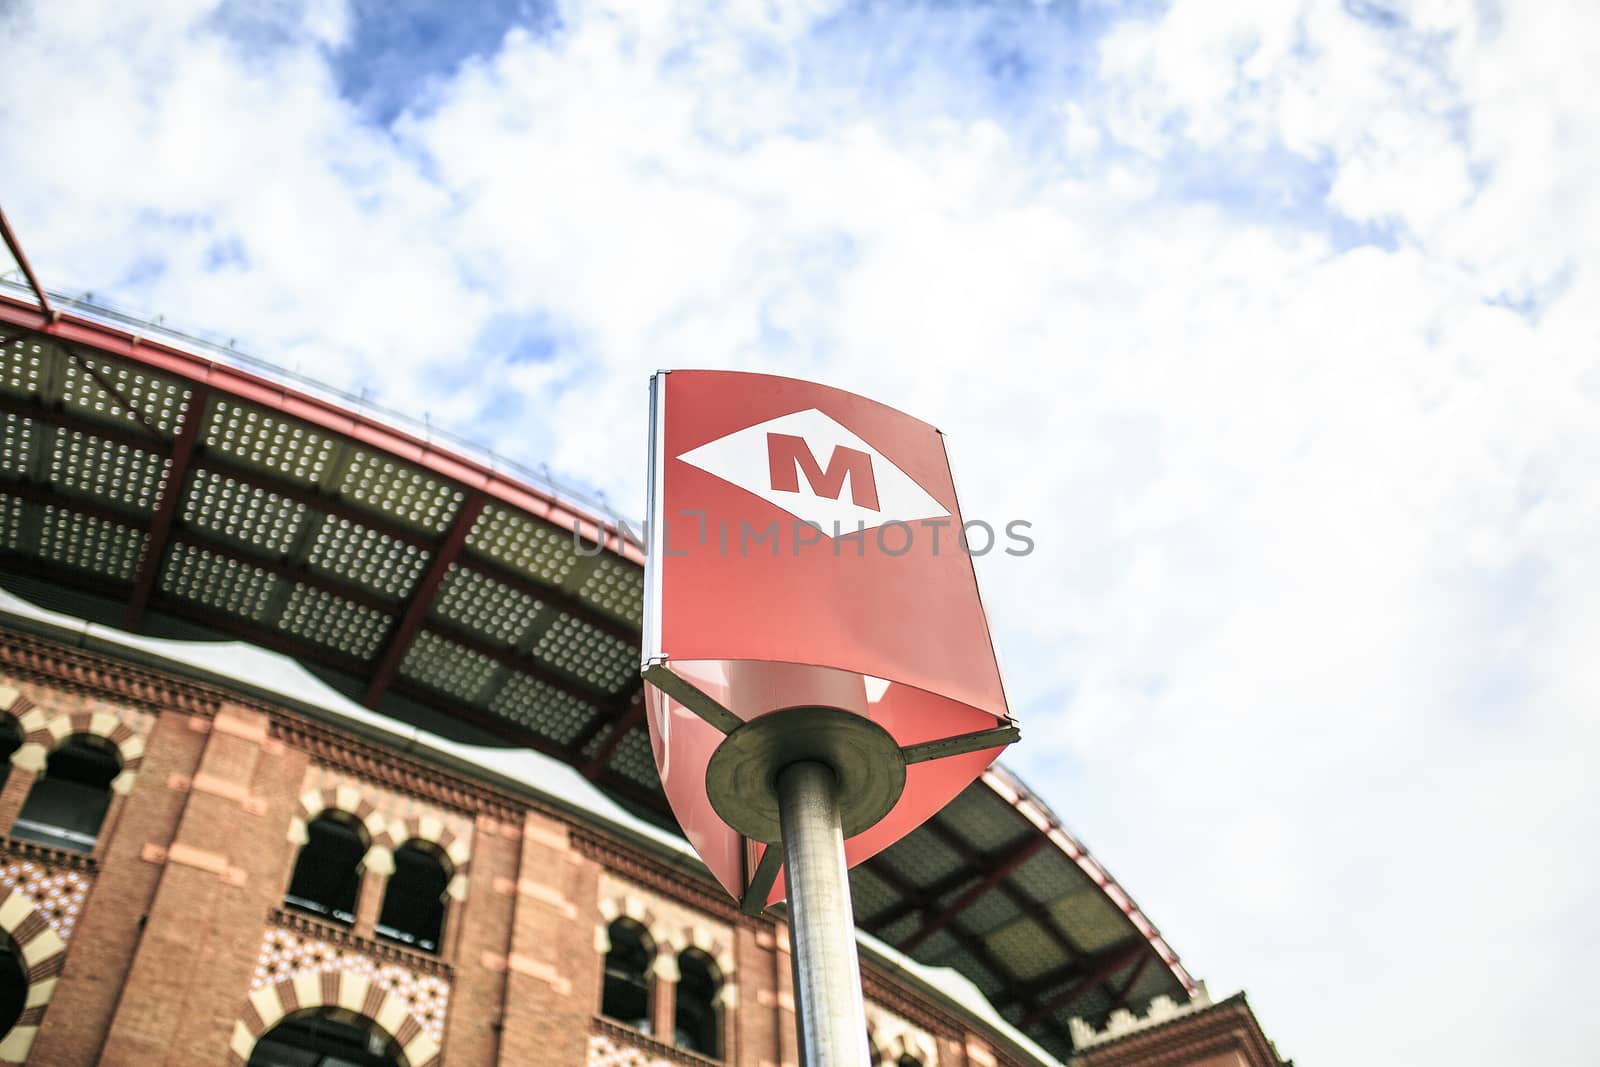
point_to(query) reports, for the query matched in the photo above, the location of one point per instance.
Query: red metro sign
(807, 597)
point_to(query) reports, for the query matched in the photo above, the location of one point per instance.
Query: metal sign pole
(784, 727)
(829, 1014)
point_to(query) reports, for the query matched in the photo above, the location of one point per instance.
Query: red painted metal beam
(1007, 788)
(874, 924)
(344, 663)
(10, 238)
(619, 708)
(290, 572)
(34, 408)
(294, 572)
(1101, 971)
(558, 598)
(1119, 996)
(950, 883)
(41, 495)
(1026, 904)
(1035, 986)
(329, 658)
(82, 581)
(507, 657)
(934, 923)
(324, 414)
(973, 946)
(220, 463)
(34, 493)
(923, 902)
(44, 495)
(1068, 971)
(981, 952)
(422, 597)
(155, 546)
(491, 724)
(630, 718)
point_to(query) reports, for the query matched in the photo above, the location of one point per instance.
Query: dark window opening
(908, 1060)
(13, 985)
(625, 996)
(413, 903)
(10, 741)
(68, 804)
(325, 1037)
(327, 876)
(697, 1023)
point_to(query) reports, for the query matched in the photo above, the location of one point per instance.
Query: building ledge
(627, 1036)
(48, 855)
(348, 939)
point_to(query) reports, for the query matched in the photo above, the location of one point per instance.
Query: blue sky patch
(398, 47)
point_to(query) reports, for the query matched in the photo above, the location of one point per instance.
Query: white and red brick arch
(388, 824)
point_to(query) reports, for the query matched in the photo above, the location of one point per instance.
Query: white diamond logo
(818, 471)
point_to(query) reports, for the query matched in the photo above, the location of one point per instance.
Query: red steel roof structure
(152, 483)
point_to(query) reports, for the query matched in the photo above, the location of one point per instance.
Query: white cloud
(1305, 649)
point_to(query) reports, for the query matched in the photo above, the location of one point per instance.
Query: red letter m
(788, 455)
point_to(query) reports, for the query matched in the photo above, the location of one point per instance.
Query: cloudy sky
(1276, 318)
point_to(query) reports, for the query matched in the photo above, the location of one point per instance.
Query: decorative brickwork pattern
(1124, 1022)
(297, 969)
(76, 671)
(391, 820)
(45, 728)
(13, 702)
(892, 996)
(606, 1051)
(451, 834)
(42, 953)
(638, 868)
(58, 894)
(518, 950)
(673, 926)
(893, 1037)
(611, 1045)
(1225, 1032)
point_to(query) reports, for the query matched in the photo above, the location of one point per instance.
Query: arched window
(13, 985)
(625, 996)
(697, 1024)
(413, 902)
(327, 876)
(68, 803)
(325, 1037)
(10, 741)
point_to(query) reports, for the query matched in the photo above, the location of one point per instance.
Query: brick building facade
(168, 941)
(432, 832)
